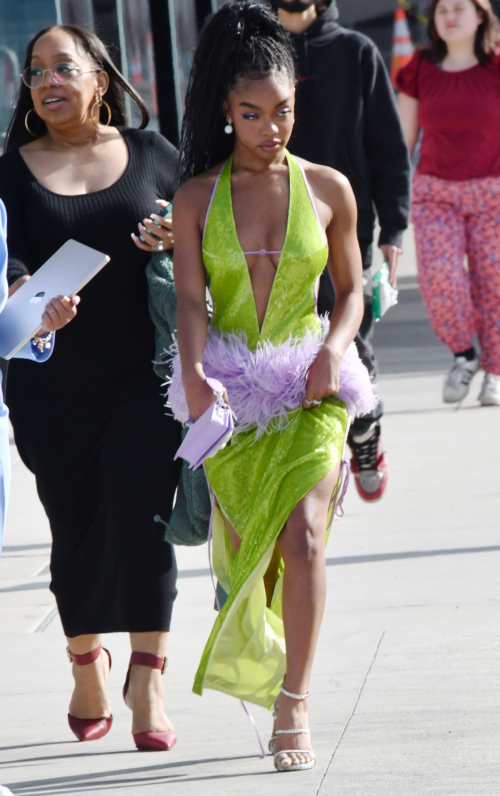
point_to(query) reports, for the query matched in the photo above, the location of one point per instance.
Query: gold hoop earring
(97, 122)
(27, 125)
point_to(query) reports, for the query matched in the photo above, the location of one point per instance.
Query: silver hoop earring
(228, 129)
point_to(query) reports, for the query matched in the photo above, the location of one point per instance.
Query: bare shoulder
(327, 184)
(194, 196)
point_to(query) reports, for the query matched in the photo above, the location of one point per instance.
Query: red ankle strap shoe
(89, 729)
(150, 741)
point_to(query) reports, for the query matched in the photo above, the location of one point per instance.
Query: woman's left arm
(345, 269)
(157, 231)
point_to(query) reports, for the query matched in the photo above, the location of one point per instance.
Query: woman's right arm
(408, 110)
(190, 286)
(60, 310)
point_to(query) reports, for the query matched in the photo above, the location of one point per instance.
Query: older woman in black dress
(73, 170)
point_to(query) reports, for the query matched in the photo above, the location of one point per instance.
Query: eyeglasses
(33, 76)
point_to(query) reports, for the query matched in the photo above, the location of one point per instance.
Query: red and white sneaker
(368, 464)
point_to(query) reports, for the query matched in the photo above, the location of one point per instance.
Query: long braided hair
(243, 39)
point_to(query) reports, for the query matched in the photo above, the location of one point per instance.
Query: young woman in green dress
(258, 226)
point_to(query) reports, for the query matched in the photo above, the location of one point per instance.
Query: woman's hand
(159, 237)
(59, 312)
(199, 396)
(323, 377)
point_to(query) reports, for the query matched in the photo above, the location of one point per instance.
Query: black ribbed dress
(90, 422)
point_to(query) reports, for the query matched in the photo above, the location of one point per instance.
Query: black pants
(326, 302)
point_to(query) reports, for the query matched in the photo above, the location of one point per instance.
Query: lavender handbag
(211, 432)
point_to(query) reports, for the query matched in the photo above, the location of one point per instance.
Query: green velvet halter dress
(258, 480)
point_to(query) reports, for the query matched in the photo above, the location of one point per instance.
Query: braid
(243, 39)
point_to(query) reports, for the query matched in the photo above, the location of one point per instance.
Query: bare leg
(271, 574)
(302, 545)
(89, 700)
(145, 691)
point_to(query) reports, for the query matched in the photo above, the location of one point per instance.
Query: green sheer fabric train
(258, 482)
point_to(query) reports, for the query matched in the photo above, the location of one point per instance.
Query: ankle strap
(147, 659)
(84, 660)
(294, 696)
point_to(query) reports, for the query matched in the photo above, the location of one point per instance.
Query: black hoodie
(347, 119)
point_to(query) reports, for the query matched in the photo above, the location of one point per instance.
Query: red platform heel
(150, 741)
(89, 729)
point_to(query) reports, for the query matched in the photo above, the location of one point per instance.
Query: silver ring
(158, 247)
(315, 402)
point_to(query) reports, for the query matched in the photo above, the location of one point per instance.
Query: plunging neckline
(239, 247)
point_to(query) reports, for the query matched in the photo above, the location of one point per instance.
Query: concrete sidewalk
(405, 694)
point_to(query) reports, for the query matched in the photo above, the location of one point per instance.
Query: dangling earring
(228, 129)
(99, 102)
(26, 123)
(103, 102)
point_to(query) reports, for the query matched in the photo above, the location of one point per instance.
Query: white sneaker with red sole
(368, 463)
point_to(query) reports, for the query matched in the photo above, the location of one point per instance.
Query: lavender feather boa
(265, 385)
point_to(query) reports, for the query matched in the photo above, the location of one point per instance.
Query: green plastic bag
(384, 294)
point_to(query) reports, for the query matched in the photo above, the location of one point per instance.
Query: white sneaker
(458, 380)
(490, 391)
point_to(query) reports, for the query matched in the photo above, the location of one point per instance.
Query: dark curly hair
(243, 39)
(487, 36)
(17, 135)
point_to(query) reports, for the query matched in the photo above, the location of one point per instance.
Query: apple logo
(37, 299)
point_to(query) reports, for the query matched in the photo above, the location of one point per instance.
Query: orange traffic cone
(402, 45)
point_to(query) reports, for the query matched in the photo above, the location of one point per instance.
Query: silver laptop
(64, 274)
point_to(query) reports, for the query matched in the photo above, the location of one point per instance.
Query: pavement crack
(350, 715)
(43, 623)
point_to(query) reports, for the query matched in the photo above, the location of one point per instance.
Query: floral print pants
(454, 220)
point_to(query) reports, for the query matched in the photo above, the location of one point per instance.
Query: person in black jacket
(346, 118)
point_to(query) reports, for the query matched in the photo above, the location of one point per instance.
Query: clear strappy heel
(293, 766)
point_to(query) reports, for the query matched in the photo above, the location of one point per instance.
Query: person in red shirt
(451, 91)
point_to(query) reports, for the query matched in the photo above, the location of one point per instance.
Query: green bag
(188, 524)
(384, 296)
